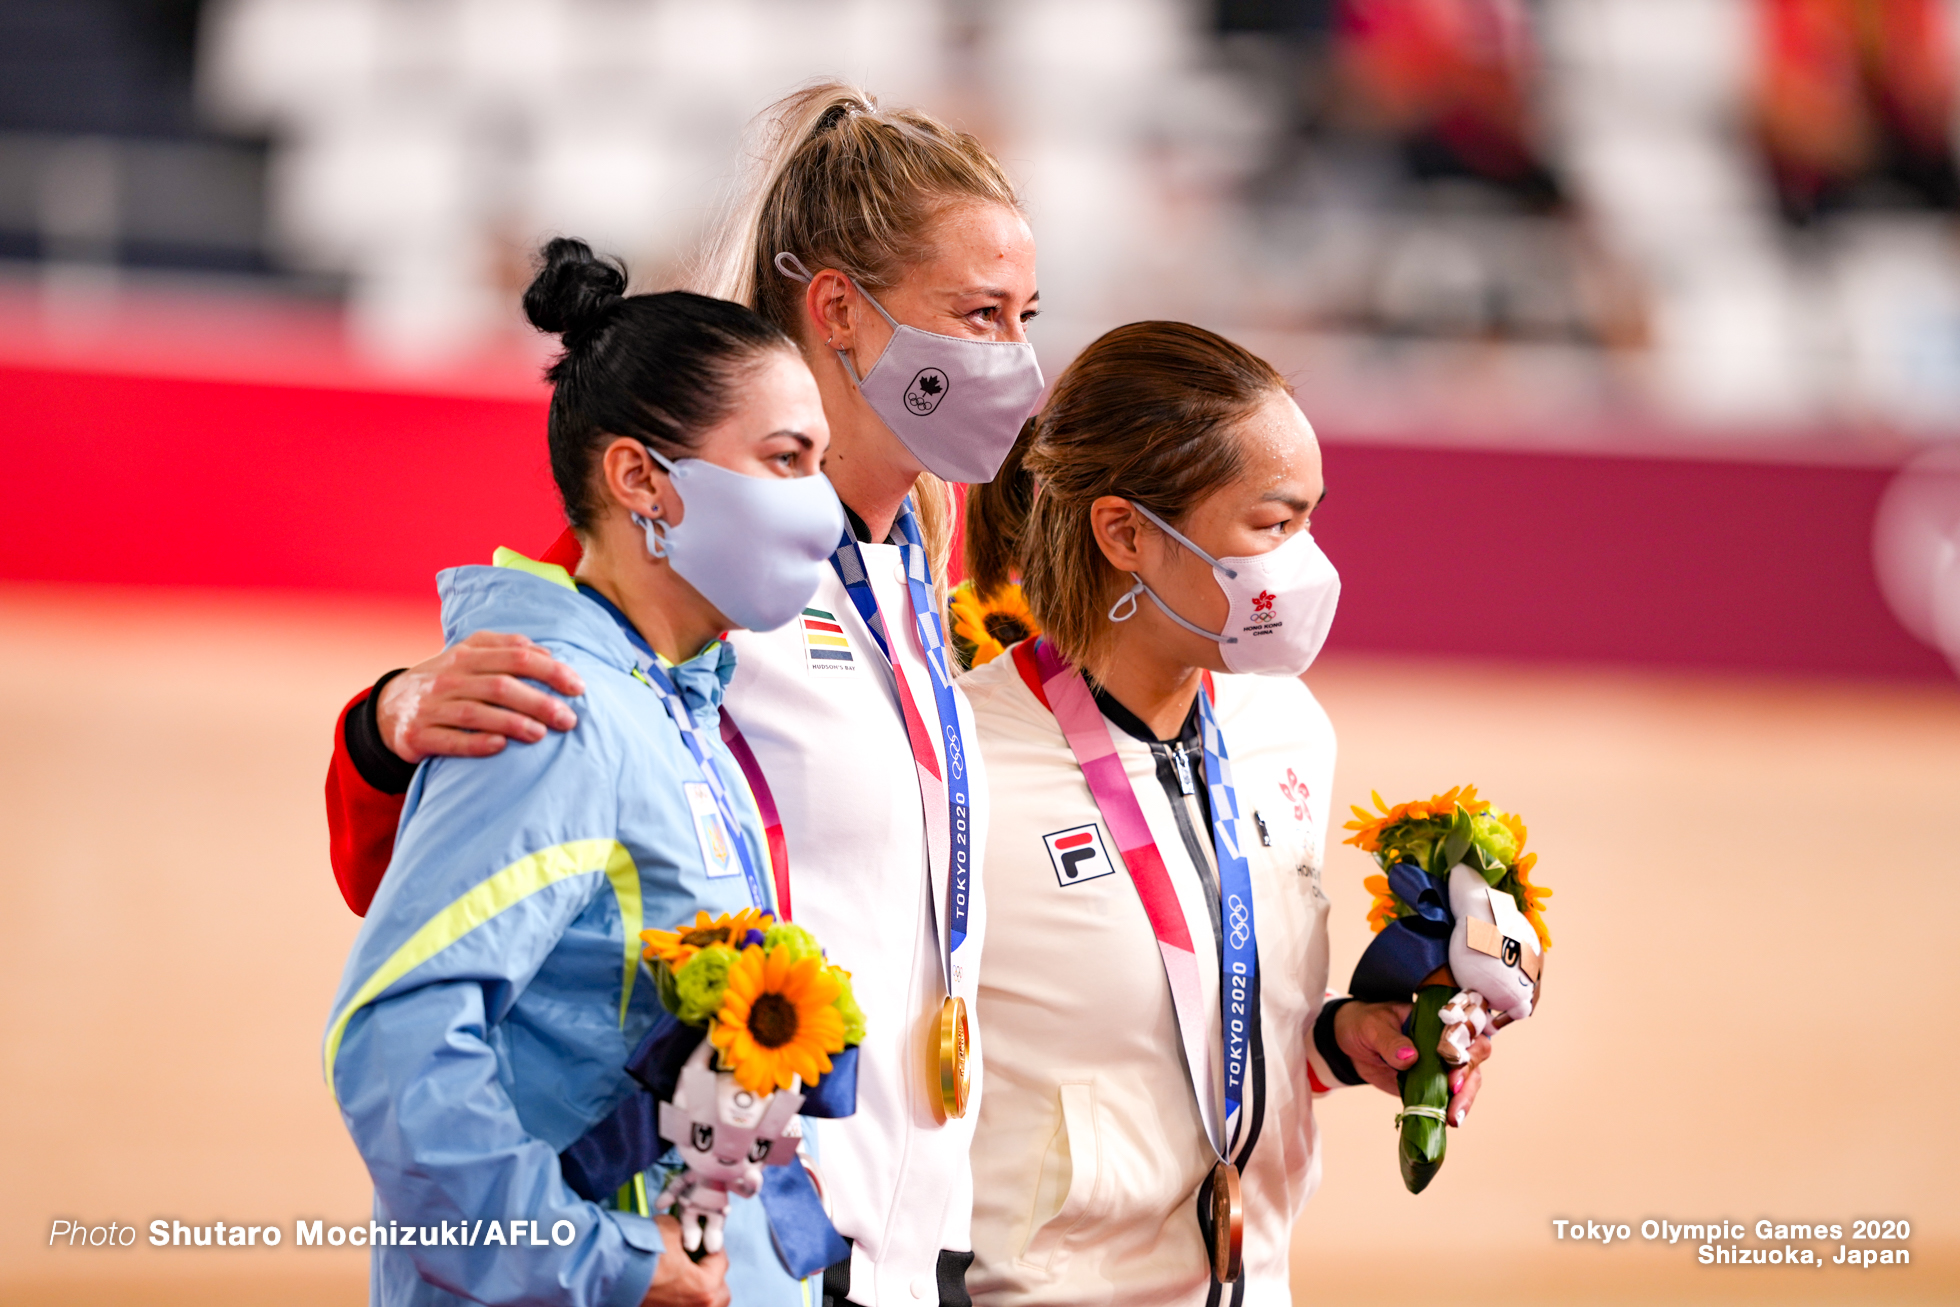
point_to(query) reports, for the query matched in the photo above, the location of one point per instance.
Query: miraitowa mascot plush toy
(1459, 931)
(726, 1135)
(759, 1028)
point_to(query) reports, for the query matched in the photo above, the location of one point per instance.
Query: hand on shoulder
(468, 699)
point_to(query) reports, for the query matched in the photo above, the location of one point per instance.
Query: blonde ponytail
(733, 260)
(939, 512)
(842, 183)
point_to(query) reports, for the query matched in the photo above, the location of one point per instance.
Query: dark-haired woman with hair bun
(1153, 997)
(495, 993)
(892, 249)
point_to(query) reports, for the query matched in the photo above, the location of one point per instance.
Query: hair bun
(575, 292)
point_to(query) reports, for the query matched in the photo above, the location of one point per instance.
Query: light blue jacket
(496, 989)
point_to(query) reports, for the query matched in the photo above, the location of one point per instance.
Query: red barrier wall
(175, 481)
(1687, 561)
(1693, 562)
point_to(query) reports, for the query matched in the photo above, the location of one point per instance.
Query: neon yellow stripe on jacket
(511, 886)
(508, 557)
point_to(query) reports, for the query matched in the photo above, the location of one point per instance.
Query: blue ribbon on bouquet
(1409, 948)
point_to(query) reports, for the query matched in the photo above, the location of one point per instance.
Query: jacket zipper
(1174, 774)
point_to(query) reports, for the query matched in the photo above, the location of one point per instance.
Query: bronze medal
(953, 1083)
(1227, 1224)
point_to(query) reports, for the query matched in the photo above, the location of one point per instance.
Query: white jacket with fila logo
(1090, 1149)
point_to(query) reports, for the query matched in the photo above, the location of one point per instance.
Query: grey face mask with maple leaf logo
(957, 404)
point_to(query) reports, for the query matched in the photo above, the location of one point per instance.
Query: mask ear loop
(1126, 607)
(656, 535)
(1178, 536)
(792, 267)
(1127, 604)
(656, 532)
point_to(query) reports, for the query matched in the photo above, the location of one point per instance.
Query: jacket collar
(542, 601)
(700, 681)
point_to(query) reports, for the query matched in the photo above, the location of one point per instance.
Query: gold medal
(1227, 1224)
(953, 1083)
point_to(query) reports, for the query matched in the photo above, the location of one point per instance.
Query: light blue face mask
(755, 547)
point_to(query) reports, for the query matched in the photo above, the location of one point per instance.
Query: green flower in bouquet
(700, 984)
(847, 1007)
(800, 942)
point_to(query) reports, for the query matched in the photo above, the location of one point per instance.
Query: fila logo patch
(1077, 854)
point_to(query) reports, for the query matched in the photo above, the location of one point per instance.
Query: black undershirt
(859, 531)
(380, 766)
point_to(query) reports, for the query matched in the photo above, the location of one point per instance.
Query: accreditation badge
(954, 1084)
(717, 849)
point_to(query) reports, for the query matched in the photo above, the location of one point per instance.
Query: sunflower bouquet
(775, 1009)
(764, 1028)
(983, 626)
(1460, 929)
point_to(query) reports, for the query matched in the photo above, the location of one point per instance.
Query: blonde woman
(893, 250)
(1153, 997)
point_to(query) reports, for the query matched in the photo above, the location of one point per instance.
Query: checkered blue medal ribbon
(1238, 989)
(648, 670)
(957, 834)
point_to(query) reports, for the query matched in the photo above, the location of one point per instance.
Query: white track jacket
(832, 744)
(1090, 1149)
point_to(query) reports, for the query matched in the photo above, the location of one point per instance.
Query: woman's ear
(827, 308)
(1115, 525)
(635, 482)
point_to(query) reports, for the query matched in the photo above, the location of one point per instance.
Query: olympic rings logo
(1241, 918)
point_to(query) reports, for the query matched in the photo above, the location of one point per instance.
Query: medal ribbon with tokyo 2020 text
(655, 677)
(949, 828)
(1069, 698)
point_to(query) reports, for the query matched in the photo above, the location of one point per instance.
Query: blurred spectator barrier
(1758, 563)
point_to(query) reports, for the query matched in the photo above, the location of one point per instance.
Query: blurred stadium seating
(1712, 242)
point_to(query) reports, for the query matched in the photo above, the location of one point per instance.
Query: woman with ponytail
(1161, 779)
(483, 1023)
(893, 251)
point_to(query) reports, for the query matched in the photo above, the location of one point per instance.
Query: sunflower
(1382, 910)
(778, 1020)
(1369, 826)
(983, 628)
(1534, 898)
(676, 946)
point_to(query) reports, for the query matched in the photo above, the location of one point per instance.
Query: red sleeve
(565, 551)
(361, 821)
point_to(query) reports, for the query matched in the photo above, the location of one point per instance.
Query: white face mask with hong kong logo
(1280, 604)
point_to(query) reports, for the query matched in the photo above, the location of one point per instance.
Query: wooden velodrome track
(1748, 1013)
